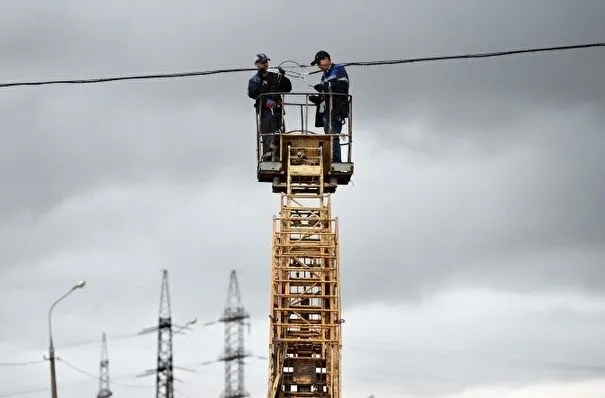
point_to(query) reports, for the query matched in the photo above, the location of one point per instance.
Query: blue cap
(261, 57)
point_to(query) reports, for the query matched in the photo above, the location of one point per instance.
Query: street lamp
(51, 348)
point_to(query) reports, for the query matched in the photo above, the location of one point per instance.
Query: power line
(356, 63)
(457, 353)
(77, 369)
(144, 332)
(132, 77)
(378, 377)
(477, 55)
(77, 383)
(21, 363)
(24, 392)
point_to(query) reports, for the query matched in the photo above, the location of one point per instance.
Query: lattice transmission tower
(234, 317)
(104, 390)
(164, 369)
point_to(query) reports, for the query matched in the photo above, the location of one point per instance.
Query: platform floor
(339, 174)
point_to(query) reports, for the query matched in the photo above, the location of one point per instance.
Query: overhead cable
(356, 63)
(21, 363)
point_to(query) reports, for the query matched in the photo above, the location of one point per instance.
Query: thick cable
(357, 63)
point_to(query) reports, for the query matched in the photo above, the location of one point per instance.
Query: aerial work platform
(305, 317)
(299, 147)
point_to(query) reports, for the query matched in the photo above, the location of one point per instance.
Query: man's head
(261, 61)
(322, 60)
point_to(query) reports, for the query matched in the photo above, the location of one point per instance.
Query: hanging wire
(356, 63)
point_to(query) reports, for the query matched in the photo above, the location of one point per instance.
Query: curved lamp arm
(79, 285)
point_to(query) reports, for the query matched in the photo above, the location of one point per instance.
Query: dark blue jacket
(334, 80)
(267, 82)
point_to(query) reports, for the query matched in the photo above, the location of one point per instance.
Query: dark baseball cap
(261, 57)
(320, 55)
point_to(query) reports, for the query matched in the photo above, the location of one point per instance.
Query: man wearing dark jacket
(269, 107)
(334, 80)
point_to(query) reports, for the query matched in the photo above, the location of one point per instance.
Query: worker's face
(262, 65)
(324, 64)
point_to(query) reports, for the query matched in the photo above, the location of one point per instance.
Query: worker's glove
(321, 87)
(281, 70)
(315, 99)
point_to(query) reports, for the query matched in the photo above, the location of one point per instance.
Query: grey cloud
(161, 226)
(74, 145)
(529, 218)
(457, 98)
(460, 339)
(462, 97)
(472, 173)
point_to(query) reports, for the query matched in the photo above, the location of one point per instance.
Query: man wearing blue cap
(269, 106)
(334, 80)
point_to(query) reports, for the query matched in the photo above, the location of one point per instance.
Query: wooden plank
(304, 372)
(305, 170)
(307, 141)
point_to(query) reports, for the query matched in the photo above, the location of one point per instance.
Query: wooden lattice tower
(305, 312)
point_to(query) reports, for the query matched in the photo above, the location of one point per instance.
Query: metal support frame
(305, 321)
(234, 317)
(104, 390)
(164, 369)
(299, 104)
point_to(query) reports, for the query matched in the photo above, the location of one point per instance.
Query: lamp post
(51, 348)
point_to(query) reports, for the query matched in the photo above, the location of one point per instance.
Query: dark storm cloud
(62, 140)
(529, 218)
(472, 173)
(133, 130)
(65, 145)
(59, 140)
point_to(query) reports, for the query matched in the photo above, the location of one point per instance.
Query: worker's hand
(320, 87)
(281, 70)
(315, 99)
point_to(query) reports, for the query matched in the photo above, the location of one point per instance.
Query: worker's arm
(339, 80)
(254, 87)
(285, 85)
(336, 82)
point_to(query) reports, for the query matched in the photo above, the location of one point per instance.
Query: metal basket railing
(304, 109)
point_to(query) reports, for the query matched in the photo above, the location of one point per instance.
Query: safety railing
(306, 109)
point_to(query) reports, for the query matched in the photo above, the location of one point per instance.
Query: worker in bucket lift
(334, 80)
(269, 107)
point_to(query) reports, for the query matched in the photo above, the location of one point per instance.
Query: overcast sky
(472, 239)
